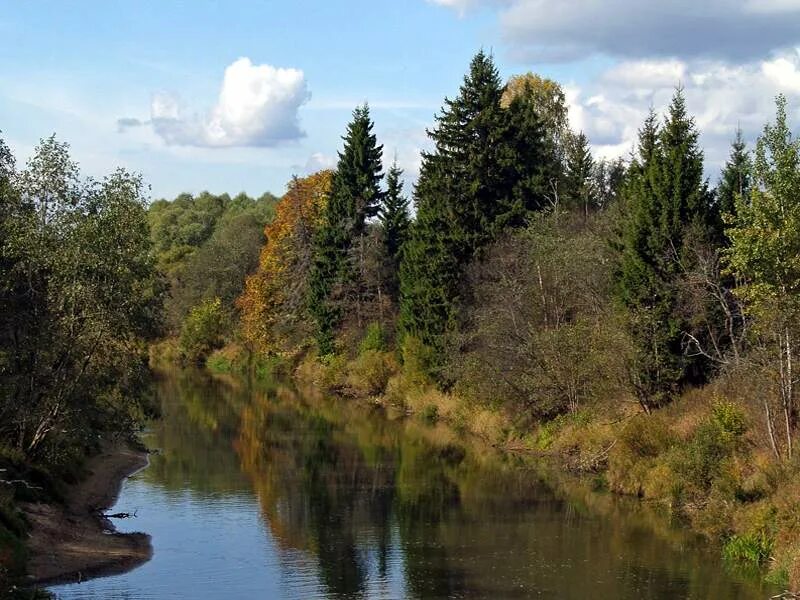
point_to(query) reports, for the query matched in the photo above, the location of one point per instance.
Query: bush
(636, 464)
(418, 361)
(752, 548)
(202, 331)
(712, 445)
(368, 374)
(374, 339)
(646, 436)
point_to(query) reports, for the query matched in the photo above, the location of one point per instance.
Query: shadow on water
(269, 492)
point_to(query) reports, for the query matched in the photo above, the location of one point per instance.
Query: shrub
(417, 361)
(753, 548)
(636, 465)
(646, 436)
(368, 374)
(712, 445)
(202, 331)
(374, 339)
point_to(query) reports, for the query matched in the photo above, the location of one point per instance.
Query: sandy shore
(75, 542)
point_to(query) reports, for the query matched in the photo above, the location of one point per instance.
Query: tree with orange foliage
(272, 304)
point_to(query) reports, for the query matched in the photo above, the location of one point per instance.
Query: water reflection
(261, 493)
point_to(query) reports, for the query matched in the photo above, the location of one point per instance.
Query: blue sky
(172, 72)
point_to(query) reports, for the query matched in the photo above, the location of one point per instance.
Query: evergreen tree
(338, 257)
(667, 203)
(734, 180)
(395, 221)
(579, 191)
(608, 178)
(485, 173)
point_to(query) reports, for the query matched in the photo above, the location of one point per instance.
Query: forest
(629, 319)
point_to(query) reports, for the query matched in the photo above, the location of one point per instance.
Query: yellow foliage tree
(274, 296)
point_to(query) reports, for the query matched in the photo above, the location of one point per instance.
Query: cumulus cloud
(720, 95)
(257, 106)
(711, 29)
(317, 162)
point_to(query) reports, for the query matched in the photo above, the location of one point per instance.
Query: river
(270, 493)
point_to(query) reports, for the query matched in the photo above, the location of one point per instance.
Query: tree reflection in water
(381, 506)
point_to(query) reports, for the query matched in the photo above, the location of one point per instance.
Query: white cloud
(721, 96)
(460, 6)
(712, 29)
(257, 106)
(317, 162)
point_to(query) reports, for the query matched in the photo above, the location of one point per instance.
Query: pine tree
(485, 173)
(395, 221)
(338, 258)
(734, 180)
(667, 201)
(579, 192)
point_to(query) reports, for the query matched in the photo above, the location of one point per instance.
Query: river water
(270, 493)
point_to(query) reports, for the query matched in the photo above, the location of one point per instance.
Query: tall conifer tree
(735, 177)
(485, 173)
(395, 221)
(579, 193)
(667, 200)
(355, 196)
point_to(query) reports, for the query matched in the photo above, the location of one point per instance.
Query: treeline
(205, 245)
(535, 289)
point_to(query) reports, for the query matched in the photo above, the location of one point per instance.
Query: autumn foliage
(274, 295)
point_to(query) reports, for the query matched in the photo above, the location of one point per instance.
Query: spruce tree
(666, 202)
(395, 221)
(338, 246)
(734, 180)
(485, 173)
(579, 191)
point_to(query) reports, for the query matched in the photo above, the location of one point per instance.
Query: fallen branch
(121, 515)
(598, 458)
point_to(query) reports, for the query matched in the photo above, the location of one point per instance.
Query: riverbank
(74, 541)
(702, 458)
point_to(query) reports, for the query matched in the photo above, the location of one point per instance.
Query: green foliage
(206, 245)
(765, 234)
(579, 192)
(667, 204)
(79, 297)
(374, 339)
(487, 171)
(703, 459)
(338, 246)
(417, 360)
(734, 181)
(202, 331)
(549, 430)
(369, 373)
(540, 321)
(395, 222)
(752, 548)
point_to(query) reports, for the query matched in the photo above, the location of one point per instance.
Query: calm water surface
(272, 494)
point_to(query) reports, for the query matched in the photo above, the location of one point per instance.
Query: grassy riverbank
(700, 458)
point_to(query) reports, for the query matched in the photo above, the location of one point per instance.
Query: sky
(241, 95)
